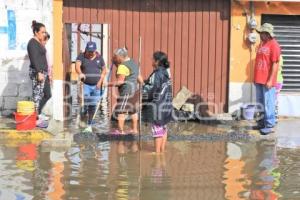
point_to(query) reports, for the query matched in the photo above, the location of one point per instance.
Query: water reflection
(235, 179)
(266, 177)
(252, 171)
(195, 166)
(24, 172)
(187, 171)
(119, 170)
(56, 187)
(290, 173)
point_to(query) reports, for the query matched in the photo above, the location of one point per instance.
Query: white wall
(15, 31)
(240, 93)
(289, 104)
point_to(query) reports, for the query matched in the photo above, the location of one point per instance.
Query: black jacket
(37, 56)
(158, 93)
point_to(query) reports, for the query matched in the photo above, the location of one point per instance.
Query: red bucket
(25, 122)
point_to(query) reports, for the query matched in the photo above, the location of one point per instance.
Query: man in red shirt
(265, 76)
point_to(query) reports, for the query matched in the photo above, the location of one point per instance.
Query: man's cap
(266, 27)
(91, 46)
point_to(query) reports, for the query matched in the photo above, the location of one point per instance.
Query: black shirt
(91, 68)
(37, 56)
(158, 89)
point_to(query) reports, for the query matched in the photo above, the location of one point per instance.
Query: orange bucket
(25, 122)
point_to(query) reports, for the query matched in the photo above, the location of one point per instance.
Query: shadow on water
(195, 166)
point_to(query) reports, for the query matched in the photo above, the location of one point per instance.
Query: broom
(81, 109)
(89, 128)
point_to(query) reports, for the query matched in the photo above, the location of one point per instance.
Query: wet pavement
(202, 162)
(213, 161)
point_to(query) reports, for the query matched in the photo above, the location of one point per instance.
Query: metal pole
(140, 118)
(140, 92)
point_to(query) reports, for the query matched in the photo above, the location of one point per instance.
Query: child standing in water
(158, 89)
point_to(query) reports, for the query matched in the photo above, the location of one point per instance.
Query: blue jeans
(267, 98)
(91, 95)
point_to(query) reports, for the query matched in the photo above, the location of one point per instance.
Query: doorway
(76, 36)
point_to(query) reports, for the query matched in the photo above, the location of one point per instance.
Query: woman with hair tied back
(38, 71)
(158, 89)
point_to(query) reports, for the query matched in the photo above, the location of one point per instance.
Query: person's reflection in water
(125, 147)
(155, 177)
(124, 171)
(267, 177)
(158, 171)
(83, 170)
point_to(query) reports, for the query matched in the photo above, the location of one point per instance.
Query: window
(287, 33)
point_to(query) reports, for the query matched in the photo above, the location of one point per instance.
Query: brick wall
(15, 32)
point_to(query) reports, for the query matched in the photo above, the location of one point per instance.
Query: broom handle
(99, 102)
(23, 120)
(102, 92)
(140, 91)
(82, 94)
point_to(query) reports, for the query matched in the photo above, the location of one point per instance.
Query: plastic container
(25, 107)
(248, 112)
(25, 122)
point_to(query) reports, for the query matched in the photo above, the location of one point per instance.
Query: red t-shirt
(267, 53)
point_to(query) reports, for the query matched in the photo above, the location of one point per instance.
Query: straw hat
(266, 27)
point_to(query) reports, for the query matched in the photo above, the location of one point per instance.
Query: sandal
(117, 132)
(132, 132)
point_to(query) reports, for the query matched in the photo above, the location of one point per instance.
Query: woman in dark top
(158, 89)
(38, 70)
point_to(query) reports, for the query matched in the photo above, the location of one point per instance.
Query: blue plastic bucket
(248, 112)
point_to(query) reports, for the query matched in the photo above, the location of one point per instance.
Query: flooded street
(202, 161)
(93, 169)
(219, 79)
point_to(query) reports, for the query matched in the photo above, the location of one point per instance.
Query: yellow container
(25, 107)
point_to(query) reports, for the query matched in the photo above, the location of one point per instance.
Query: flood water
(199, 164)
(93, 169)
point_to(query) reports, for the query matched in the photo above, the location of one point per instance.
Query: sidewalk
(287, 132)
(52, 137)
